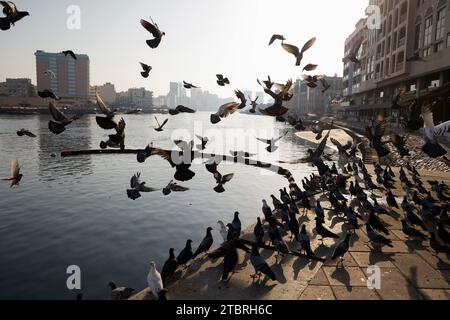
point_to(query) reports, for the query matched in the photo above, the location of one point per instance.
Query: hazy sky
(204, 37)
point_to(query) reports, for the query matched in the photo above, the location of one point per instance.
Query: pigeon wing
(308, 44)
(101, 104)
(56, 114)
(15, 169)
(151, 28)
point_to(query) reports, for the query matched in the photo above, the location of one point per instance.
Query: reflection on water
(75, 211)
(51, 145)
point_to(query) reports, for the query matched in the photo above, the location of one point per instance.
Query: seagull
(223, 230)
(432, 148)
(186, 254)
(276, 37)
(154, 30)
(16, 176)
(12, 15)
(206, 243)
(60, 120)
(120, 293)
(170, 266)
(70, 53)
(271, 143)
(137, 187)
(221, 80)
(221, 180)
(146, 70)
(173, 187)
(160, 126)
(341, 249)
(47, 93)
(188, 85)
(295, 51)
(25, 132)
(260, 265)
(154, 280)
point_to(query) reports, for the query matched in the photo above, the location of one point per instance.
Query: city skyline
(238, 47)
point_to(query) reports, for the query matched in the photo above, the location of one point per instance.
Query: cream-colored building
(410, 46)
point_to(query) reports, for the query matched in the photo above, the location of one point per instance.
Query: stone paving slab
(314, 292)
(419, 272)
(354, 293)
(365, 259)
(394, 286)
(320, 279)
(348, 276)
(440, 262)
(435, 294)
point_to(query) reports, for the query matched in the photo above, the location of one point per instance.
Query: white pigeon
(223, 230)
(50, 73)
(154, 280)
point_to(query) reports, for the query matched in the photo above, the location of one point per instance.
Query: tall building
(17, 88)
(410, 47)
(70, 78)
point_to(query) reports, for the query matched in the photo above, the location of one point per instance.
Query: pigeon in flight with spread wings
(188, 85)
(12, 15)
(106, 122)
(272, 147)
(145, 69)
(284, 93)
(60, 120)
(16, 176)
(155, 31)
(296, 52)
(173, 187)
(137, 186)
(276, 37)
(70, 53)
(180, 109)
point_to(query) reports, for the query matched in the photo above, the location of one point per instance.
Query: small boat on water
(133, 111)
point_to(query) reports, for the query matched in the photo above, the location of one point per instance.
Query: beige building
(108, 92)
(17, 88)
(411, 47)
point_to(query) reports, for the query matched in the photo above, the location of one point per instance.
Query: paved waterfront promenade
(408, 270)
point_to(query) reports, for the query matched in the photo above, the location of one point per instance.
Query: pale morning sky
(204, 37)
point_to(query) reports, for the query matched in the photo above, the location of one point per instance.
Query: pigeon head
(112, 285)
(259, 220)
(189, 241)
(103, 145)
(220, 222)
(152, 266)
(209, 229)
(236, 214)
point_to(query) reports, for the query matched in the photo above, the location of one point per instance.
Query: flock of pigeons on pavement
(349, 188)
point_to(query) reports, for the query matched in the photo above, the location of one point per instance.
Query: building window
(417, 37)
(427, 39)
(440, 25)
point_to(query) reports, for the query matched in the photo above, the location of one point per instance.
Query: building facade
(410, 47)
(108, 92)
(69, 78)
(17, 88)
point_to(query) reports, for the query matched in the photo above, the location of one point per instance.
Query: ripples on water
(74, 211)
